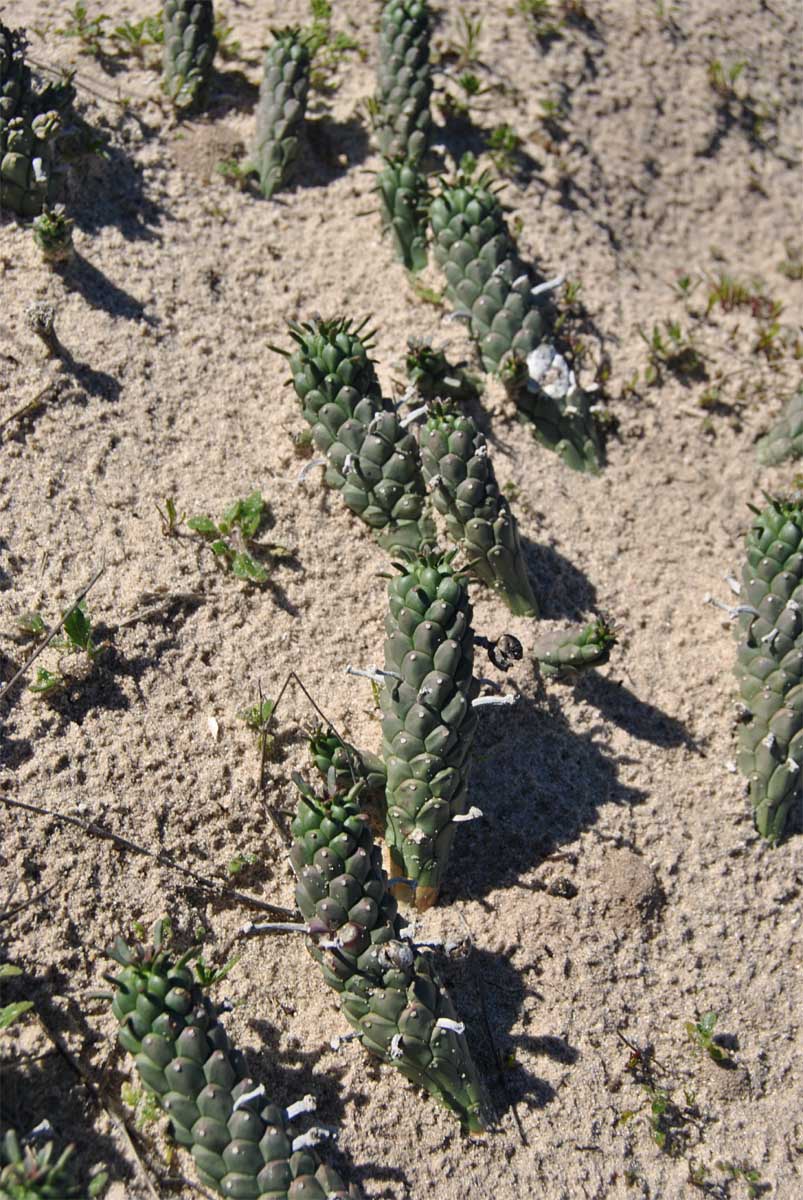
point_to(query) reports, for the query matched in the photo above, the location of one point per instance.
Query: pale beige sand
(620, 787)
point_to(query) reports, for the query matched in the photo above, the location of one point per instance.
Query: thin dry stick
(161, 857)
(39, 401)
(8, 913)
(51, 633)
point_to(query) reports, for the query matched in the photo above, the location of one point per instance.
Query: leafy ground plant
(78, 639)
(701, 1033)
(232, 538)
(87, 30)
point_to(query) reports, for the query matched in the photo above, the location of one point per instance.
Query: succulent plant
(404, 198)
(28, 1174)
(242, 1144)
(459, 473)
(342, 765)
(27, 133)
(434, 377)
(371, 457)
(280, 112)
(52, 232)
(404, 78)
(770, 663)
(189, 50)
(428, 720)
(567, 653)
(389, 991)
(784, 440)
(488, 283)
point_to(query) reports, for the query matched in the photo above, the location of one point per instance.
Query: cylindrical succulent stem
(489, 284)
(372, 459)
(785, 440)
(404, 198)
(458, 470)
(189, 51)
(52, 232)
(567, 654)
(282, 105)
(242, 1145)
(429, 722)
(404, 80)
(389, 991)
(769, 664)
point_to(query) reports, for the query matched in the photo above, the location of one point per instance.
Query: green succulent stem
(389, 991)
(242, 1144)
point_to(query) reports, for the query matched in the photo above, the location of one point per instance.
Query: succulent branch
(189, 50)
(242, 1144)
(282, 105)
(458, 470)
(389, 991)
(769, 663)
(785, 440)
(403, 205)
(404, 78)
(428, 721)
(567, 654)
(489, 284)
(372, 460)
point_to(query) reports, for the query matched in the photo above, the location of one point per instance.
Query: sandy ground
(615, 888)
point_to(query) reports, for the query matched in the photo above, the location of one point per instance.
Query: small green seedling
(32, 625)
(170, 518)
(674, 352)
(12, 1012)
(748, 1175)
(78, 639)
(135, 37)
(701, 1033)
(241, 862)
(144, 1104)
(504, 144)
(258, 718)
(465, 46)
(88, 30)
(230, 536)
(327, 47)
(227, 45)
(722, 80)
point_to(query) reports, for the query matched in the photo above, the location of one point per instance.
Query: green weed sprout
(701, 1033)
(78, 639)
(230, 537)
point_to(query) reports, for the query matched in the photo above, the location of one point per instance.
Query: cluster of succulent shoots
(769, 666)
(490, 287)
(785, 440)
(189, 51)
(29, 1172)
(243, 1145)
(29, 124)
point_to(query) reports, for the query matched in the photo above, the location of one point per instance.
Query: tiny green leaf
(244, 567)
(11, 1012)
(9, 970)
(203, 525)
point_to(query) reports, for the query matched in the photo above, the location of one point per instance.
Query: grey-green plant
(769, 663)
(281, 109)
(784, 442)
(242, 1143)
(459, 473)
(491, 288)
(389, 991)
(189, 51)
(232, 538)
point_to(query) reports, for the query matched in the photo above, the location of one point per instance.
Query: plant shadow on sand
(555, 779)
(100, 291)
(290, 1072)
(491, 995)
(109, 189)
(45, 1088)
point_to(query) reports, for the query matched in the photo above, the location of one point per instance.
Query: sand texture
(614, 887)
